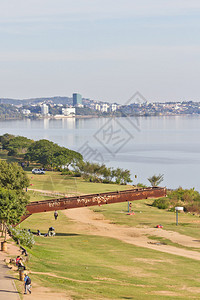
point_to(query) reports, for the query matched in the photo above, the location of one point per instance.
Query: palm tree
(155, 180)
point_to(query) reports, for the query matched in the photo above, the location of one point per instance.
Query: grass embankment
(65, 184)
(90, 267)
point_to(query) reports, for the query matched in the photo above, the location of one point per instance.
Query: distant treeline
(50, 155)
(8, 111)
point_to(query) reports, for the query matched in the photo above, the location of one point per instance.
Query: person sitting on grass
(51, 231)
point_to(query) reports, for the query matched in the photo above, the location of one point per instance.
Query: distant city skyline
(105, 50)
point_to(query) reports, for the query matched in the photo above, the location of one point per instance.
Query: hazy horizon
(105, 50)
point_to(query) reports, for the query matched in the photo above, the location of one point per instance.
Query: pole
(177, 218)
(128, 206)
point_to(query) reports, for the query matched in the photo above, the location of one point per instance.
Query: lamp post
(177, 209)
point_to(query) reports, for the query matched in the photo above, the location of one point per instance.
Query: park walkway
(7, 287)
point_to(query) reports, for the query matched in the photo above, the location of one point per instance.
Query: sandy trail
(38, 292)
(95, 224)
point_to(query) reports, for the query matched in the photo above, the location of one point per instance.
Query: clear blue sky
(103, 49)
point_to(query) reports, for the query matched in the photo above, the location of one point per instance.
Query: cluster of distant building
(59, 107)
(77, 101)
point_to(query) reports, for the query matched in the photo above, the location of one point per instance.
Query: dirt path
(95, 224)
(38, 292)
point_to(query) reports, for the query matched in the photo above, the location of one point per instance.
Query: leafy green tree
(125, 177)
(18, 145)
(13, 199)
(42, 152)
(106, 173)
(66, 157)
(50, 154)
(12, 176)
(121, 176)
(155, 180)
(4, 139)
(12, 206)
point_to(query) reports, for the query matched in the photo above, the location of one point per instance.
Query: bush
(77, 174)
(25, 237)
(161, 203)
(67, 172)
(141, 185)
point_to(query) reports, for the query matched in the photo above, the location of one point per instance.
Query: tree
(50, 154)
(18, 145)
(155, 180)
(13, 177)
(4, 139)
(66, 157)
(42, 152)
(12, 206)
(13, 199)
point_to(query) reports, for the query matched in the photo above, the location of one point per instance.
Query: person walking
(27, 284)
(55, 215)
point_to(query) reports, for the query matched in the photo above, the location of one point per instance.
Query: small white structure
(177, 209)
(97, 106)
(44, 109)
(104, 107)
(69, 111)
(113, 107)
(26, 111)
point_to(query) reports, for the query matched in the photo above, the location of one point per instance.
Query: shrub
(162, 203)
(77, 174)
(25, 237)
(67, 172)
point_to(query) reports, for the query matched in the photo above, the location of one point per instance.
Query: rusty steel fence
(93, 199)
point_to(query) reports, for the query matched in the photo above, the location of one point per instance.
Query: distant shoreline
(58, 117)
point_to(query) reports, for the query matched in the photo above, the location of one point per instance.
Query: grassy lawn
(54, 181)
(90, 267)
(93, 267)
(146, 215)
(37, 196)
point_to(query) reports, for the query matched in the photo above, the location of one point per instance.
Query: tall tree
(13, 199)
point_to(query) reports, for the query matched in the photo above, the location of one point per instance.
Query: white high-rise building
(44, 109)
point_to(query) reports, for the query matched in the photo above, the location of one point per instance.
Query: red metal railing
(93, 199)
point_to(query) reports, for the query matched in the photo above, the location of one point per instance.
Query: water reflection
(168, 145)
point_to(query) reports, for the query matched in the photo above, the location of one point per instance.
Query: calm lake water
(146, 146)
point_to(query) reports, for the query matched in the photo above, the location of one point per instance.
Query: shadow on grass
(10, 277)
(58, 234)
(6, 291)
(67, 234)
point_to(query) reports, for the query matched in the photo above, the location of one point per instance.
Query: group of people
(27, 280)
(20, 264)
